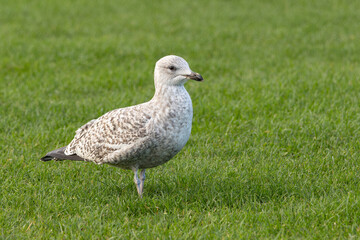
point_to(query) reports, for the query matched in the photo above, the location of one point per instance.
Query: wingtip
(46, 158)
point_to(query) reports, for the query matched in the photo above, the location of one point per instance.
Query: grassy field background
(274, 151)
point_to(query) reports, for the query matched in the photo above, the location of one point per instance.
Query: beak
(194, 76)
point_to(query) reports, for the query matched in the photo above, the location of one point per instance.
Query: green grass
(274, 151)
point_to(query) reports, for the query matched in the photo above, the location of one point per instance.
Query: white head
(173, 70)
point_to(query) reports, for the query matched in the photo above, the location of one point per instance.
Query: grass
(274, 151)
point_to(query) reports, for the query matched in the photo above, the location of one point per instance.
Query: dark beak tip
(195, 76)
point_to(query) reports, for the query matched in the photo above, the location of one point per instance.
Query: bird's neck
(171, 94)
(172, 106)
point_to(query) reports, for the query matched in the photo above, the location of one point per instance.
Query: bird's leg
(142, 179)
(137, 181)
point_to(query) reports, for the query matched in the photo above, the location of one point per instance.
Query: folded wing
(115, 130)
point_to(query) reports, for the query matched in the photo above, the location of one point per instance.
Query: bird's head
(174, 70)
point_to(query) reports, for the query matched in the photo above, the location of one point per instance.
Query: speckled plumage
(145, 135)
(141, 136)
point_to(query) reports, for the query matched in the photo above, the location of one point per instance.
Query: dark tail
(59, 154)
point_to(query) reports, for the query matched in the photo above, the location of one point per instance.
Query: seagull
(141, 136)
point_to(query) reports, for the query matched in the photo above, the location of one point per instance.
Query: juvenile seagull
(141, 136)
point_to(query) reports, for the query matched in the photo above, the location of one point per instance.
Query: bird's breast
(171, 129)
(174, 126)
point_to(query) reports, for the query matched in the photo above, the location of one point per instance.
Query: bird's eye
(172, 68)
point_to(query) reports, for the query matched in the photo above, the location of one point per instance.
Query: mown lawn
(274, 151)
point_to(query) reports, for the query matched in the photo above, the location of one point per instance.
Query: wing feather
(115, 130)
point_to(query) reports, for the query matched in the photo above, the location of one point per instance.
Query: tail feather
(59, 154)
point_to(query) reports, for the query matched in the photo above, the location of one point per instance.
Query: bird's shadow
(182, 188)
(195, 190)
